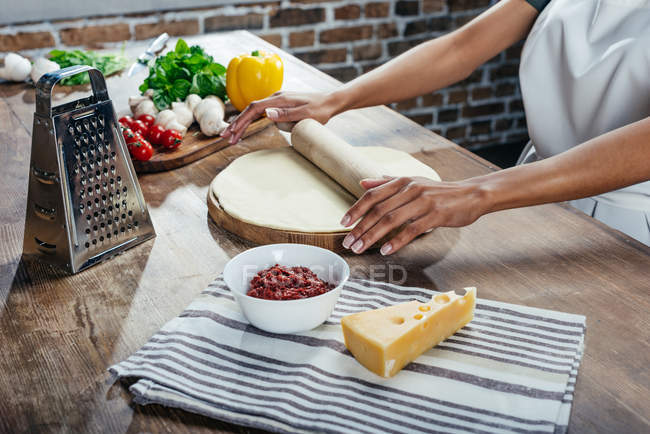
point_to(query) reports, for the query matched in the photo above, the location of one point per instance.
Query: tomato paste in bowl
(287, 283)
(286, 288)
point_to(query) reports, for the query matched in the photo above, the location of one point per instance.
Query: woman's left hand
(417, 203)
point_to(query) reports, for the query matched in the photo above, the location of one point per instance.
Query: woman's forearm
(608, 162)
(442, 61)
(423, 69)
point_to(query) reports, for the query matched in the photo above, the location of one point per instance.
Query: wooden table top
(59, 333)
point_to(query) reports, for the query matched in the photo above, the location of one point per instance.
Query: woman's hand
(417, 203)
(284, 107)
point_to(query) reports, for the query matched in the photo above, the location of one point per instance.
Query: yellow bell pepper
(253, 76)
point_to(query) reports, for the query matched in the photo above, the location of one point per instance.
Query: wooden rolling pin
(333, 155)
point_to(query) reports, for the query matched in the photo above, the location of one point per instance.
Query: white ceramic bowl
(286, 316)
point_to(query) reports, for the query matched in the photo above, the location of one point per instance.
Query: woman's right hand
(284, 107)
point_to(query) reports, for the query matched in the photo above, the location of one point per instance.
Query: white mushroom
(184, 115)
(146, 107)
(165, 117)
(135, 100)
(209, 114)
(192, 101)
(168, 120)
(16, 68)
(175, 125)
(212, 125)
(204, 106)
(41, 67)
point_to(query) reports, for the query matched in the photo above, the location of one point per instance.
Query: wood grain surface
(59, 333)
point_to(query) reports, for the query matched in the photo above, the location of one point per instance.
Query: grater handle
(47, 81)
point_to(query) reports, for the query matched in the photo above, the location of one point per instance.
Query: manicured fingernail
(345, 220)
(271, 113)
(348, 240)
(386, 249)
(356, 247)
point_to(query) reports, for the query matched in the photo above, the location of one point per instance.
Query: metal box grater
(84, 203)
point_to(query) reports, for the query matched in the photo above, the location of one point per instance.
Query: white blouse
(585, 70)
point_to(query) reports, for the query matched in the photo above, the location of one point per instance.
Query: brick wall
(342, 38)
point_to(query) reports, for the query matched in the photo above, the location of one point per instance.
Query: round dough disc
(280, 189)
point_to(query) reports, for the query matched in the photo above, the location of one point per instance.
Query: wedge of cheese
(387, 339)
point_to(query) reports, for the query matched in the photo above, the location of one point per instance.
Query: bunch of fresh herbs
(107, 63)
(182, 71)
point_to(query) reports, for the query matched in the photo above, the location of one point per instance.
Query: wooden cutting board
(194, 147)
(263, 235)
(337, 159)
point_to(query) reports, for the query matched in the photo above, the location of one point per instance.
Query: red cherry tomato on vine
(139, 127)
(155, 134)
(148, 120)
(126, 121)
(141, 150)
(172, 139)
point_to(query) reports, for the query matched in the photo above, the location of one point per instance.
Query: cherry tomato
(129, 136)
(171, 139)
(139, 127)
(155, 134)
(141, 150)
(127, 121)
(148, 120)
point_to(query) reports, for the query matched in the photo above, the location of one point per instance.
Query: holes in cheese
(441, 298)
(387, 339)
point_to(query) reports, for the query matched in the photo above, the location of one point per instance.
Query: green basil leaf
(182, 71)
(181, 47)
(179, 73)
(195, 49)
(56, 53)
(160, 99)
(216, 68)
(158, 81)
(195, 62)
(180, 89)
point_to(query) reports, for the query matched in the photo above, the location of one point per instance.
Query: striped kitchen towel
(512, 369)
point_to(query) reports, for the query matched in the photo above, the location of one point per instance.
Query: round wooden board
(194, 147)
(262, 235)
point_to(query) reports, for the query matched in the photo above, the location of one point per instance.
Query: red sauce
(287, 283)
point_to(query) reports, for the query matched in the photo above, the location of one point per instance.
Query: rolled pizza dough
(280, 189)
